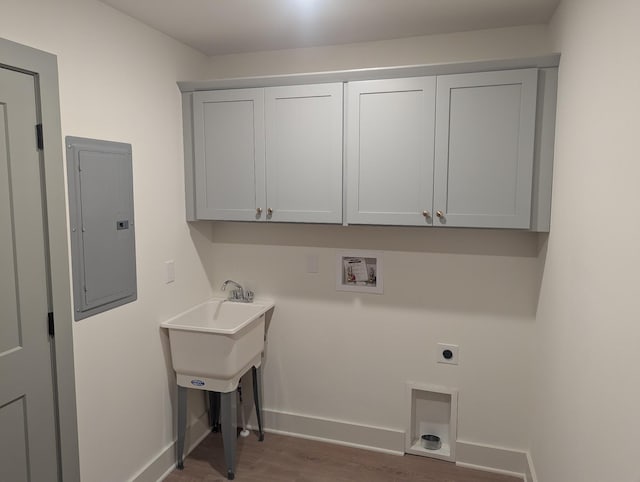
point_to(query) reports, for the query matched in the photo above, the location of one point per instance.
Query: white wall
(433, 49)
(346, 357)
(588, 334)
(332, 355)
(117, 82)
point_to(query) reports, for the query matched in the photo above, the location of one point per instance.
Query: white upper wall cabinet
(481, 175)
(390, 128)
(228, 134)
(271, 154)
(485, 129)
(304, 153)
(463, 145)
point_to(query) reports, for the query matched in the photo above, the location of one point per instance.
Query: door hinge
(51, 327)
(39, 137)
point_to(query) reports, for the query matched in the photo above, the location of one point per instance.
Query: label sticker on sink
(197, 383)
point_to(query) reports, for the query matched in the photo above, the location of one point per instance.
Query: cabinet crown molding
(545, 61)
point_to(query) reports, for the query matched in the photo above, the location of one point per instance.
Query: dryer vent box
(100, 179)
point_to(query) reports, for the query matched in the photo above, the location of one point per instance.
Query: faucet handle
(248, 296)
(236, 294)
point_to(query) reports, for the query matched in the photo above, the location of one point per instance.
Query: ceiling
(217, 27)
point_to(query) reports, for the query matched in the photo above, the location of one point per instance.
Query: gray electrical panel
(100, 180)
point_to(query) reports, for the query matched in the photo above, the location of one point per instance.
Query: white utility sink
(214, 343)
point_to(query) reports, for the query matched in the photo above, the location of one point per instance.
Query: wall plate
(446, 353)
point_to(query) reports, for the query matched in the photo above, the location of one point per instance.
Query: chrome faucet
(238, 294)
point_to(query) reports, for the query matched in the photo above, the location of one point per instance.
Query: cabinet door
(485, 127)
(390, 129)
(229, 154)
(304, 153)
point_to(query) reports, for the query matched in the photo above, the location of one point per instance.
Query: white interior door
(28, 447)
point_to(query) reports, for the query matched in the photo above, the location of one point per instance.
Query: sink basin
(214, 343)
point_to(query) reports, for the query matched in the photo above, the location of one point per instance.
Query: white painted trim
(490, 458)
(331, 441)
(530, 474)
(483, 457)
(378, 439)
(164, 463)
(492, 470)
(551, 60)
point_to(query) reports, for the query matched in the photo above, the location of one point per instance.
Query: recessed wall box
(359, 271)
(100, 179)
(432, 411)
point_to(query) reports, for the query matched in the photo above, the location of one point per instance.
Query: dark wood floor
(289, 459)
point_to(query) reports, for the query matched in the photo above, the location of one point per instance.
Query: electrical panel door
(102, 224)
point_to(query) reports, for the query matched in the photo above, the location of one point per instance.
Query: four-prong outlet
(446, 353)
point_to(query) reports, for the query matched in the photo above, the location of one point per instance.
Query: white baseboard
(487, 458)
(531, 471)
(494, 459)
(378, 439)
(165, 461)
(492, 470)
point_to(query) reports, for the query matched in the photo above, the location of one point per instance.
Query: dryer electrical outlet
(446, 353)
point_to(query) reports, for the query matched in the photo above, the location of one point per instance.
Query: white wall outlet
(312, 263)
(446, 353)
(170, 271)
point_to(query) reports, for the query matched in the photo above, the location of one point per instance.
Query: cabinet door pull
(426, 214)
(258, 211)
(269, 211)
(440, 214)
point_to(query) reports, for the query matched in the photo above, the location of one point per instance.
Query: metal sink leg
(214, 411)
(257, 397)
(182, 426)
(229, 416)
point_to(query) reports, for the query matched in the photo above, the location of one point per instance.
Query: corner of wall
(164, 463)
